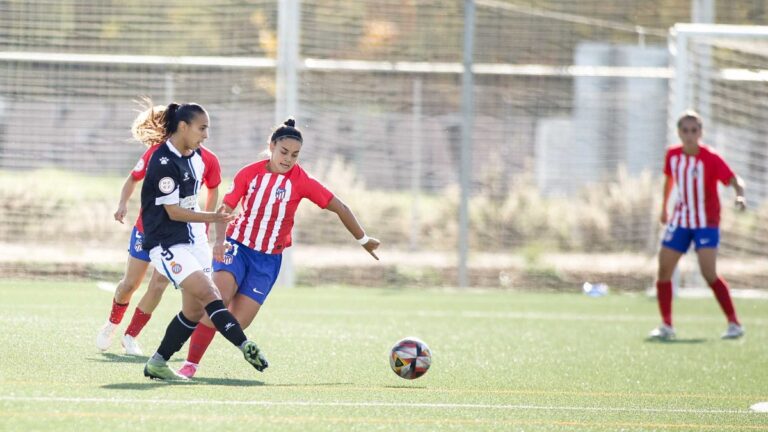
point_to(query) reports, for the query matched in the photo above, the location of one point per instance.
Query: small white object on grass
(595, 290)
(106, 286)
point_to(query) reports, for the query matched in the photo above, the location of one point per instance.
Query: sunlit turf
(502, 361)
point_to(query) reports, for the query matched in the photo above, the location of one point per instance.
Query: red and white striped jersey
(695, 178)
(211, 172)
(269, 202)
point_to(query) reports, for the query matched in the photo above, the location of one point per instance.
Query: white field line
(547, 316)
(447, 406)
(537, 316)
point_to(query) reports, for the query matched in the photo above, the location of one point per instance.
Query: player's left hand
(371, 246)
(741, 203)
(220, 249)
(120, 213)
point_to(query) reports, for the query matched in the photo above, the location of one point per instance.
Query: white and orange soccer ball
(410, 358)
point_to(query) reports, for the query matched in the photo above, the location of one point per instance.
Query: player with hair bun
(147, 128)
(696, 170)
(247, 264)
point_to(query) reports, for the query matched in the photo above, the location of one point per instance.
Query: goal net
(721, 71)
(70, 72)
(570, 125)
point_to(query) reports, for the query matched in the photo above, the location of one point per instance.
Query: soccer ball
(410, 358)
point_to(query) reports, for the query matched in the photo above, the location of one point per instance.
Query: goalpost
(721, 71)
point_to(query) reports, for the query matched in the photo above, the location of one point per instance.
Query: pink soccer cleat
(188, 369)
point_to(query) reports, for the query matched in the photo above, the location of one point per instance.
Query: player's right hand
(741, 203)
(663, 219)
(223, 216)
(122, 210)
(220, 249)
(371, 246)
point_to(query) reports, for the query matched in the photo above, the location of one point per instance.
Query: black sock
(178, 331)
(225, 322)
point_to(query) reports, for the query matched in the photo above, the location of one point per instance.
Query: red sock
(664, 296)
(720, 287)
(138, 322)
(198, 344)
(117, 312)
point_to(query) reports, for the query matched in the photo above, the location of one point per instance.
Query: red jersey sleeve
(316, 192)
(722, 170)
(140, 170)
(238, 188)
(212, 170)
(667, 166)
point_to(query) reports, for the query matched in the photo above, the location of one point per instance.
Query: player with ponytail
(152, 127)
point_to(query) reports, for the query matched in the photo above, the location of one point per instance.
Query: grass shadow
(228, 382)
(689, 341)
(150, 384)
(145, 385)
(119, 358)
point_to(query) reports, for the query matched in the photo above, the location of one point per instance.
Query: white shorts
(181, 260)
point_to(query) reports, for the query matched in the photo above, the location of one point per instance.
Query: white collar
(173, 148)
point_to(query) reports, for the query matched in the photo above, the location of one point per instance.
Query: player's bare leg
(668, 259)
(135, 270)
(244, 309)
(157, 285)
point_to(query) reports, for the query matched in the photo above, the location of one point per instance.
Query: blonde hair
(690, 115)
(149, 126)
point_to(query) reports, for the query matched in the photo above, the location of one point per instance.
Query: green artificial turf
(502, 360)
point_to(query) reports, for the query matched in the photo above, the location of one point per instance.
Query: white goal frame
(681, 88)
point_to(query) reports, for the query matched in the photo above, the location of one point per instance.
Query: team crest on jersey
(228, 259)
(166, 185)
(280, 194)
(186, 176)
(175, 267)
(163, 160)
(139, 165)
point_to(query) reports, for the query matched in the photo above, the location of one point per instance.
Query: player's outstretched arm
(350, 222)
(180, 214)
(125, 194)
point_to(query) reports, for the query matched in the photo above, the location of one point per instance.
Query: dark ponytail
(176, 113)
(287, 130)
